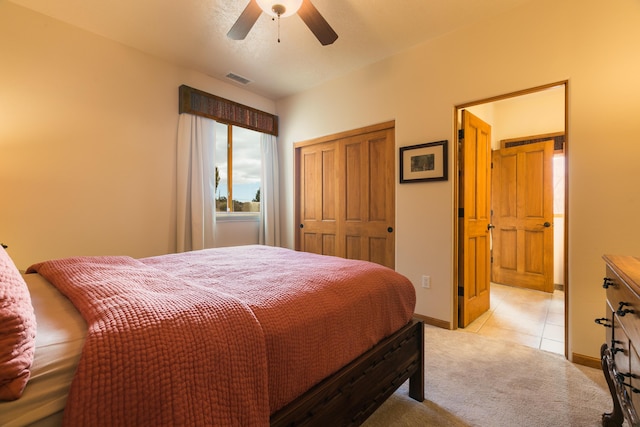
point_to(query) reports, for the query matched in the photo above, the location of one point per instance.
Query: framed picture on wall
(424, 162)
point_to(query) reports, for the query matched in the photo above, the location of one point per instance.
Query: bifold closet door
(346, 196)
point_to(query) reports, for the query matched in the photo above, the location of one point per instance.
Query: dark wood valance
(197, 102)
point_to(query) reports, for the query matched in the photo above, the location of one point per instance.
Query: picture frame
(424, 162)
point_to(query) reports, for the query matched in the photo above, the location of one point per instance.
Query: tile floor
(528, 317)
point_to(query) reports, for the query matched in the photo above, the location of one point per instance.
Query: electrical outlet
(426, 281)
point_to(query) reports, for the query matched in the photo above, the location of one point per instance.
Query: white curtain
(269, 193)
(196, 183)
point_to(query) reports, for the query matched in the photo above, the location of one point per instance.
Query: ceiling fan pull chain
(278, 28)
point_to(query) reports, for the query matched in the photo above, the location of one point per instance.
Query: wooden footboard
(357, 390)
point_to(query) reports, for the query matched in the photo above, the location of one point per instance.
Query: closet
(345, 194)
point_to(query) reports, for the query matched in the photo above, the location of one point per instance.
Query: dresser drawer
(620, 347)
(634, 377)
(620, 360)
(626, 306)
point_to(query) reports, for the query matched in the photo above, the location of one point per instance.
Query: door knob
(390, 230)
(546, 224)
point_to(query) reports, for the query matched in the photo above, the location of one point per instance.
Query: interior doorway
(539, 111)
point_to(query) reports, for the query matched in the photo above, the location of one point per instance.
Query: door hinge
(460, 291)
(460, 212)
(460, 134)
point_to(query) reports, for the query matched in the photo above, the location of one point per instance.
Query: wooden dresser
(619, 354)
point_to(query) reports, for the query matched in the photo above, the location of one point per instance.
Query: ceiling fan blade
(245, 21)
(316, 23)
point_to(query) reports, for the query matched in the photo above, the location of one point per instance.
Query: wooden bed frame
(352, 394)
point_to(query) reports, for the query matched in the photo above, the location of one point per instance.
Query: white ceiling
(192, 33)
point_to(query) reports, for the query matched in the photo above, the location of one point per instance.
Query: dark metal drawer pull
(620, 377)
(620, 312)
(615, 349)
(628, 375)
(607, 282)
(604, 322)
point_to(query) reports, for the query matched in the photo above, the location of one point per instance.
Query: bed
(249, 335)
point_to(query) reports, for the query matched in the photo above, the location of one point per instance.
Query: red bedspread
(221, 336)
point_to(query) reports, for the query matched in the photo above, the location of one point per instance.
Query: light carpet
(472, 380)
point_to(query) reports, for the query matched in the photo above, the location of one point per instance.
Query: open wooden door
(523, 216)
(474, 250)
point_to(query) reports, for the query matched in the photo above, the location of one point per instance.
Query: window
(238, 165)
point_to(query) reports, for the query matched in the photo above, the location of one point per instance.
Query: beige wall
(87, 142)
(533, 114)
(589, 43)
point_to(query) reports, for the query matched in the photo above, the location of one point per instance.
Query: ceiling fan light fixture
(279, 8)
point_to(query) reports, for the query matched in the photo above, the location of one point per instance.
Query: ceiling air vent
(238, 79)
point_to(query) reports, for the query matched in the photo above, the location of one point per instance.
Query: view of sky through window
(246, 162)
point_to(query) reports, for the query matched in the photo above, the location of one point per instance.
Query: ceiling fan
(280, 9)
